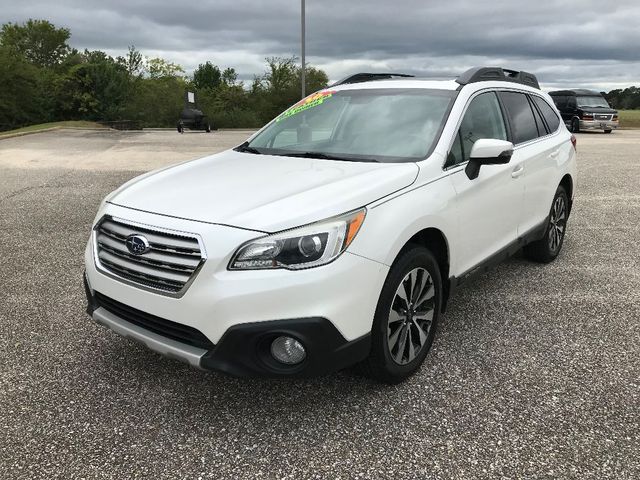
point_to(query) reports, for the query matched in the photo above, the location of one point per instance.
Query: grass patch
(629, 118)
(44, 126)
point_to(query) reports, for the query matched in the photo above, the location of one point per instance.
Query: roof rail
(487, 74)
(368, 77)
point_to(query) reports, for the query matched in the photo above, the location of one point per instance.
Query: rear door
(535, 152)
(541, 170)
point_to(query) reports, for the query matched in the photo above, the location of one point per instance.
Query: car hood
(262, 192)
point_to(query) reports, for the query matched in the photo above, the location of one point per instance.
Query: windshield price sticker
(307, 103)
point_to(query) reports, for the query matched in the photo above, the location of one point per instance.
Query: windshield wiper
(247, 149)
(323, 156)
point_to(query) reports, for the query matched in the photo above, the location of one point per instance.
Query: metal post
(302, 20)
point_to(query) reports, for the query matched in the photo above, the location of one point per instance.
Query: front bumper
(329, 308)
(244, 350)
(598, 125)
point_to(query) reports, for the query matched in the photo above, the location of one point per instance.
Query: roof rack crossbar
(368, 77)
(486, 74)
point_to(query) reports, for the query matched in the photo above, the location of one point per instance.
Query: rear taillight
(574, 142)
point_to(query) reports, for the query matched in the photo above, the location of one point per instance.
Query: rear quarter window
(549, 114)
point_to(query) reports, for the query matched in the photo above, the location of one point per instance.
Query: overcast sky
(566, 42)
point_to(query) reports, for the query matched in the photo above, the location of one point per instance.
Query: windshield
(383, 125)
(592, 101)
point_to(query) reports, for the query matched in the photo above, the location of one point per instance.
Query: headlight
(304, 247)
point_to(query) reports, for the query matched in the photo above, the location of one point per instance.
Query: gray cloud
(565, 42)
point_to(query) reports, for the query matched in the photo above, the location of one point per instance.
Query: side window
(523, 123)
(542, 128)
(549, 114)
(483, 119)
(456, 155)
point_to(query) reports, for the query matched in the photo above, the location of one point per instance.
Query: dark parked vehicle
(585, 110)
(193, 119)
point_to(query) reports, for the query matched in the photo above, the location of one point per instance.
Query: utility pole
(302, 22)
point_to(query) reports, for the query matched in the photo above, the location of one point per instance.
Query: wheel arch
(567, 183)
(436, 242)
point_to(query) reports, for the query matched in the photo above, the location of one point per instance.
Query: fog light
(288, 350)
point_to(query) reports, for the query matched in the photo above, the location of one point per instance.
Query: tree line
(627, 99)
(43, 79)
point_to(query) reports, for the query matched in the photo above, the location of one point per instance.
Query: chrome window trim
(126, 281)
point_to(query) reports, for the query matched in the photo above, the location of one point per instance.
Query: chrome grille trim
(168, 268)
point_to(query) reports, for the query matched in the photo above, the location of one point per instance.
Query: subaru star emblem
(137, 244)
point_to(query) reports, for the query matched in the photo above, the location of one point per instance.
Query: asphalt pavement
(534, 372)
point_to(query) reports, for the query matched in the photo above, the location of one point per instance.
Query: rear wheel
(180, 128)
(548, 247)
(406, 317)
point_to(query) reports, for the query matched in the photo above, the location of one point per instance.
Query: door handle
(554, 154)
(517, 171)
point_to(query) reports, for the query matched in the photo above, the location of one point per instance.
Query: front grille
(166, 328)
(169, 265)
(602, 116)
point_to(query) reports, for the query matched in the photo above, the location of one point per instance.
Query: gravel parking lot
(534, 374)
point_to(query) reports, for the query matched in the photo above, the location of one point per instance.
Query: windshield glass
(384, 125)
(592, 101)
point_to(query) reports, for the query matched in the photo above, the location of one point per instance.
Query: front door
(489, 206)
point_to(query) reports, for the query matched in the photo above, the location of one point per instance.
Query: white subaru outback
(336, 234)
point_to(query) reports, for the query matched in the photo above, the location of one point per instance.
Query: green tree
(38, 41)
(160, 68)
(20, 98)
(133, 62)
(315, 79)
(155, 102)
(95, 89)
(279, 87)
(207, 76)
(229, 76)
(627, 99)
(42, 80)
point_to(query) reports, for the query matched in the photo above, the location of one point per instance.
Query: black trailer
(191, 117)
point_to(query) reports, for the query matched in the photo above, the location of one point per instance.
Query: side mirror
(488, 151)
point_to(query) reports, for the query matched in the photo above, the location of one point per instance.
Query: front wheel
(575, 126)
(548, 247)
(607, 131)
(405, 321)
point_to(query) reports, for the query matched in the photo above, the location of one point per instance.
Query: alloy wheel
(557, 223)
(411, 316)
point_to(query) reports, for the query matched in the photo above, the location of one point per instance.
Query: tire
(575, 126)
(180, 128)
(208, 128)
(400, 341)
(548, 247)
(607, 131)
